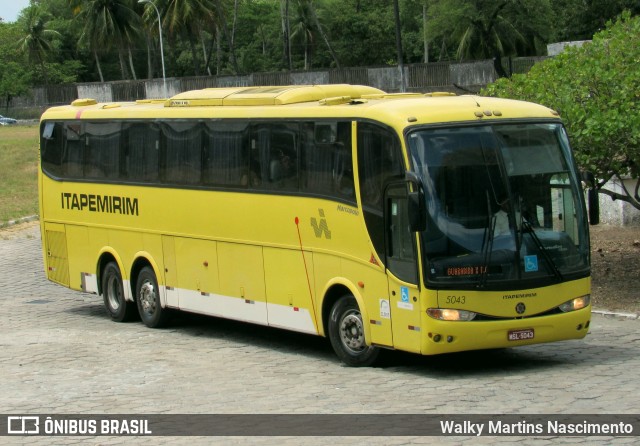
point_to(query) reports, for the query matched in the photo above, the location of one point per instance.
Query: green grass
(18, 171)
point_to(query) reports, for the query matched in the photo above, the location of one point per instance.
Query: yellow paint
(289, 251)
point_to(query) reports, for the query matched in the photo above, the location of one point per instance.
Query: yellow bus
(428, 223)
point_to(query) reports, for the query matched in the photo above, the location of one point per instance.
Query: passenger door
(402, 270)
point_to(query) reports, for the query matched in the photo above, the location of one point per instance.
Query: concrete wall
(473, 74)
(618, 213)
(553, 49)
(99, 92)
(418, 77)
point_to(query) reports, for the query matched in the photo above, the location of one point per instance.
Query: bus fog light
(576, 304)
(448, 314)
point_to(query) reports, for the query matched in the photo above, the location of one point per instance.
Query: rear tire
(119, 309)
(148, 299)
(346, 333)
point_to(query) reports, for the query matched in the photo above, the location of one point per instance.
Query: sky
(9, 9)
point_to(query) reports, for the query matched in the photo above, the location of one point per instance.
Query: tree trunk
(194, 53)
(497, 65)
(396, 13)
(123, 66)
(233, 25)
(424, 33)
(204, 53)
(149, 60)
(286, 35)
(227, 34)
(95, 55)
(133, 70)
(218, 50)
(323, 34)
(44, 72)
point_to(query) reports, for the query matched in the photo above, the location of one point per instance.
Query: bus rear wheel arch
(119, 309)
(346, 333)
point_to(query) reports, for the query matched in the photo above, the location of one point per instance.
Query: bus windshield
(503, 205)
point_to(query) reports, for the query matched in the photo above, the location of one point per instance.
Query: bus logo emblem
(521, 308)
(322, 228)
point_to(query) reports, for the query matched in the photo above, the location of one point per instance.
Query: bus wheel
(117, 306)
(148, 299)
(346, 332)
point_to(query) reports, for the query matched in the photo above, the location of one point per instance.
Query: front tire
(148, 299)
(119, 309)
(346, 333)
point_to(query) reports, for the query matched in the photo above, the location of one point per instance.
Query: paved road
(60, 353)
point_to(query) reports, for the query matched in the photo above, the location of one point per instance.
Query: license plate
(520, 335)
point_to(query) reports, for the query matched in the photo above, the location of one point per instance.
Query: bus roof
(308, 101)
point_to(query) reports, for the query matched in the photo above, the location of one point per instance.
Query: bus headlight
(576, 304)
(448, 314)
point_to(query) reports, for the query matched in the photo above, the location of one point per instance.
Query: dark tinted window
(226, 154)
(182, 144)
(102, 150)
(274, 156)
(142, 152)
(379, 161)
(326, 163)
(52, 147)
(289, 157)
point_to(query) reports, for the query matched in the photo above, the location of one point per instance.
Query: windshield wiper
(529, 229)
(487, 244)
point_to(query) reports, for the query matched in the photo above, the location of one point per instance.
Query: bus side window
(182, 144)
(317, 159)
(326, 162)
(343, 164)
(283, 160)
(259, 156)
(73, 158)
(52, 144)
(225, 161)
(102, 150)
(379, 160)
(142, 152)
(274, 157)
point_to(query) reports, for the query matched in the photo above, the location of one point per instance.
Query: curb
(606, 313)
(18, 221)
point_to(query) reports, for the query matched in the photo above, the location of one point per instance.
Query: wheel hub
(352, 332)
(113, 293)
(148, 297)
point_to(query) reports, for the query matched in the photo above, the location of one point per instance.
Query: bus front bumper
(447, 337)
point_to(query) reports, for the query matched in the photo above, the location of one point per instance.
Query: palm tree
(36, 41)
(108, 23)
(223, 21)
(488, 34)
(304, 30)
(190, 17)
(320, 29)
(286, 34)
(307, 27)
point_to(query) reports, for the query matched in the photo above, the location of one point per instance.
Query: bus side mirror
(417, 212)
(416, 204)
(593, 202)
(594, 206)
